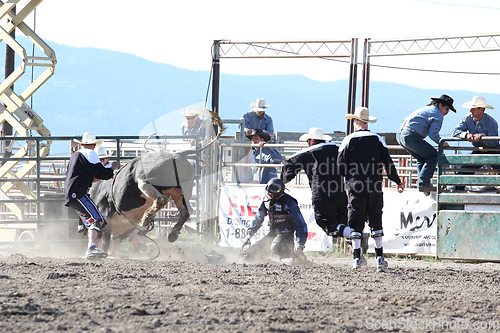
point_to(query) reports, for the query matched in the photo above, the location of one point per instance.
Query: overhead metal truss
(438, 45)
(423, 46)
(285, 49)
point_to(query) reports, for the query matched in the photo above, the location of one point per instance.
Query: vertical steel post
(215, 77)
(365, 92)
(351, 103)
(211, 182)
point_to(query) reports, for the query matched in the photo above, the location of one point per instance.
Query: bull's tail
(215, 121)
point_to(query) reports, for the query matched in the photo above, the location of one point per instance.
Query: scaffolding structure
(15, 111)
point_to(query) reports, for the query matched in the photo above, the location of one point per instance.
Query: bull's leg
(183, 212)
(117, 240)
(106, 238)
(159, 200)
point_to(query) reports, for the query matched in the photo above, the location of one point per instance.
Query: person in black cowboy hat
(426, 121)
(261, 155)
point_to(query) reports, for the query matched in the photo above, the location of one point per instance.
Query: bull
(141, 188)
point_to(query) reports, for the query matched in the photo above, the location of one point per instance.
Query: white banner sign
(238, 206)
(409, 220)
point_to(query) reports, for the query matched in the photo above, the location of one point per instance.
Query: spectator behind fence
(473, 127)
(261, 155)
(258, 119)
(426, 121)
(103, 156)
(193, 125)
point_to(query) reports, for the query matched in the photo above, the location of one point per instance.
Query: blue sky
(181, 33)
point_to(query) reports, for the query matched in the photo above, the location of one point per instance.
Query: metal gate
(33, 210)
(468, 222)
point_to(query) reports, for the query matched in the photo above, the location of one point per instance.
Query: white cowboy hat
(88, 138)
(315, 133)
(259, 105)
(361, 113)
(190, 112)
(101, 152)
(477, 102)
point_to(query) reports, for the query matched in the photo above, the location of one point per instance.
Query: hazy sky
(181, 33)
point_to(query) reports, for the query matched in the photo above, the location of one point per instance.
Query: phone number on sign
(240, 233)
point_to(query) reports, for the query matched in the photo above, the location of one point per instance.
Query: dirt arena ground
(188, 290)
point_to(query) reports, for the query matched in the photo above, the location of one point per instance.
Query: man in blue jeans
(473, 127)
(426, 121)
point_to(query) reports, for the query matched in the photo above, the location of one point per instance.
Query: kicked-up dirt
(192, 289)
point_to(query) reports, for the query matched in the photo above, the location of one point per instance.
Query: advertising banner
(409, 220)
(238, 206)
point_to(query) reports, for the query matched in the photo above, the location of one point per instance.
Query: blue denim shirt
(426, 121)
(253, 121)
(269, 156)
(487, 126)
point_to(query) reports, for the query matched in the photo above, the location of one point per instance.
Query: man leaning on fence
(473, 127)
(261, 155)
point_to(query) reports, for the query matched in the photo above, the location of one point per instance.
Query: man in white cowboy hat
(426, 121)
(329, 198)
(474, 126)
(362, 158)
(193, 125)
(85, 166)
(258, 119)
(103, 156)
(261, 155)
(477, 124)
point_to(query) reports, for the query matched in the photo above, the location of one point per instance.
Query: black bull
(139, 190)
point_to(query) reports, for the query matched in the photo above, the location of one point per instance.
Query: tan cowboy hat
(88, 138)
(477, 102)
(101, 152)
(315, 133)
(190, 112)
(259, 105)
(361, 113)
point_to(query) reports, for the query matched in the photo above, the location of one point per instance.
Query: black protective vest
(279, 217)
